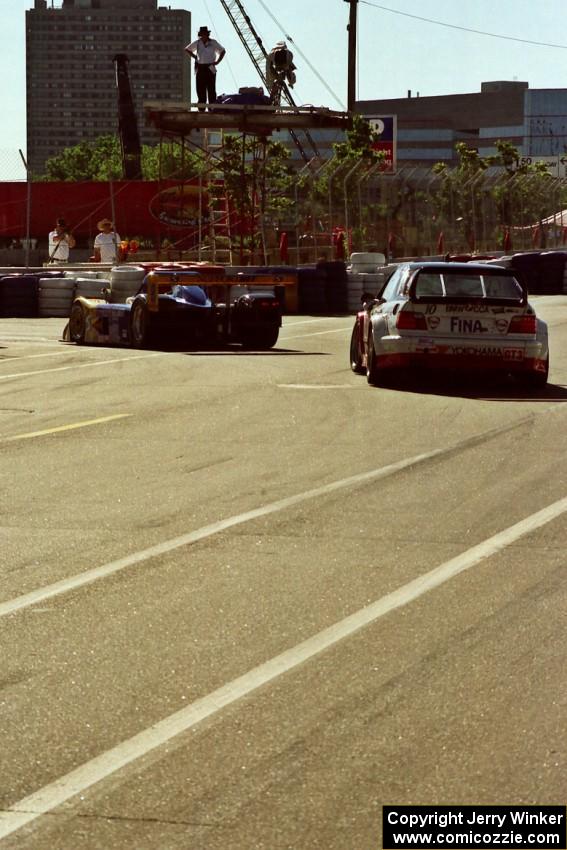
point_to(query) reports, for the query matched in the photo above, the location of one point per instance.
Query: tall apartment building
(71, 87)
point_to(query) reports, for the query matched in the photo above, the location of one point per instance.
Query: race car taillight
(409, 321)
(522, 325)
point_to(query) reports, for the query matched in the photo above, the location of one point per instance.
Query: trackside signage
(386, 129)
(474, 826)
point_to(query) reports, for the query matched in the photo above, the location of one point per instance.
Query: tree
(518, 192)
(256, 178)
(322, 197)
(102, 160)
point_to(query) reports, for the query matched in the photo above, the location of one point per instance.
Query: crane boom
(127, 123)
(259, 56)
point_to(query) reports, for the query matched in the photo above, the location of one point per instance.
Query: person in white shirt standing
(207, 54)
(60, 241)
(107, 243)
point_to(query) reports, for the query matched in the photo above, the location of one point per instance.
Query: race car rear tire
(139, 325)
(261, 338)
(77, 324)
(373, 373)
(537, 379)
(355, 361)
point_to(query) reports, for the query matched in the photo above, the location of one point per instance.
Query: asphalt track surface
(246, 600)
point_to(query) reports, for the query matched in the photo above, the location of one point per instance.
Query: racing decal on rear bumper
(508, 354)
(467, 308)
(467, 326)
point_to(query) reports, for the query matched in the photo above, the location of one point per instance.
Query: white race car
(465, 317)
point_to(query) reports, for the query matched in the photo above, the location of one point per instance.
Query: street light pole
(351, 96)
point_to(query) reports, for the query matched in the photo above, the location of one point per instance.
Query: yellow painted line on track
(71, 427)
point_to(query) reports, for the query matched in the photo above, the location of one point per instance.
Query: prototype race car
(465, 317)
(178, 306)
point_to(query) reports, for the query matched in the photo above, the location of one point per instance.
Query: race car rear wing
(218, 288)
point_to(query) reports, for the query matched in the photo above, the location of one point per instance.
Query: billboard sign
(386, 128)
(556, 165)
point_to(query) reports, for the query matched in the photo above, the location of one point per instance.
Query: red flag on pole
(340, 245)
(507, 242)
(284, 248)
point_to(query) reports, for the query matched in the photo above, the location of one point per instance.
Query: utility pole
(351, 95)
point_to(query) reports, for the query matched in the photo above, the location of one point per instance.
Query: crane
(259, 56)
(127, 123)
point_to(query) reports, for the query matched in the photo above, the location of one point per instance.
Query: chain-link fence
(422, 211)
(11, 165)
(338, 207)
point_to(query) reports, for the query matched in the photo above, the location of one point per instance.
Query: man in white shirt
(207, 54)
(59, 243)
(107, 243)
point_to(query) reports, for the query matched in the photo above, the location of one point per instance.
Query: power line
(303, 56)
(464, 29)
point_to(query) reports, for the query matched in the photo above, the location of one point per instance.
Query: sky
(430, 47)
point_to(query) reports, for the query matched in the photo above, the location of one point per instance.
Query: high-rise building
(71, 85)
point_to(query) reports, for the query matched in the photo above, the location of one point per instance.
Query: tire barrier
(554, 264)
(55, 296)
(337, 285)
(92, 275)
(359, 282)
(311, 290)
(90, 287)
(125, 282)
(366, 262)
(18, 296)
(543, 271)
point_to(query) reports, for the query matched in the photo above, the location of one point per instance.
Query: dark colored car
(177, 306)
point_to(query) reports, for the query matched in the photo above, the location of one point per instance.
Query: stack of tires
(359, 283)
(337, 286)
(366, 262)
(90, 287)
(125, 281)
(19, 295)
(311, 289)
(553, 271)
(55, 296)
(89, 284)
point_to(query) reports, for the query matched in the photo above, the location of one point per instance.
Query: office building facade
(71, 87)
(533, 120)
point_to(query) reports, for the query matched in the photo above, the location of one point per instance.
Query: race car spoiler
(218, 286)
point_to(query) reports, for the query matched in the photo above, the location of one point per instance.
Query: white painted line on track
(288, 325)
(316, 333)
(82, 365)
(319, 386)
(18, 357)
(19, 603)
(70, 427)
(79, 780)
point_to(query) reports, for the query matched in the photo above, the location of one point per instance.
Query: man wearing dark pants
(207, 54)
